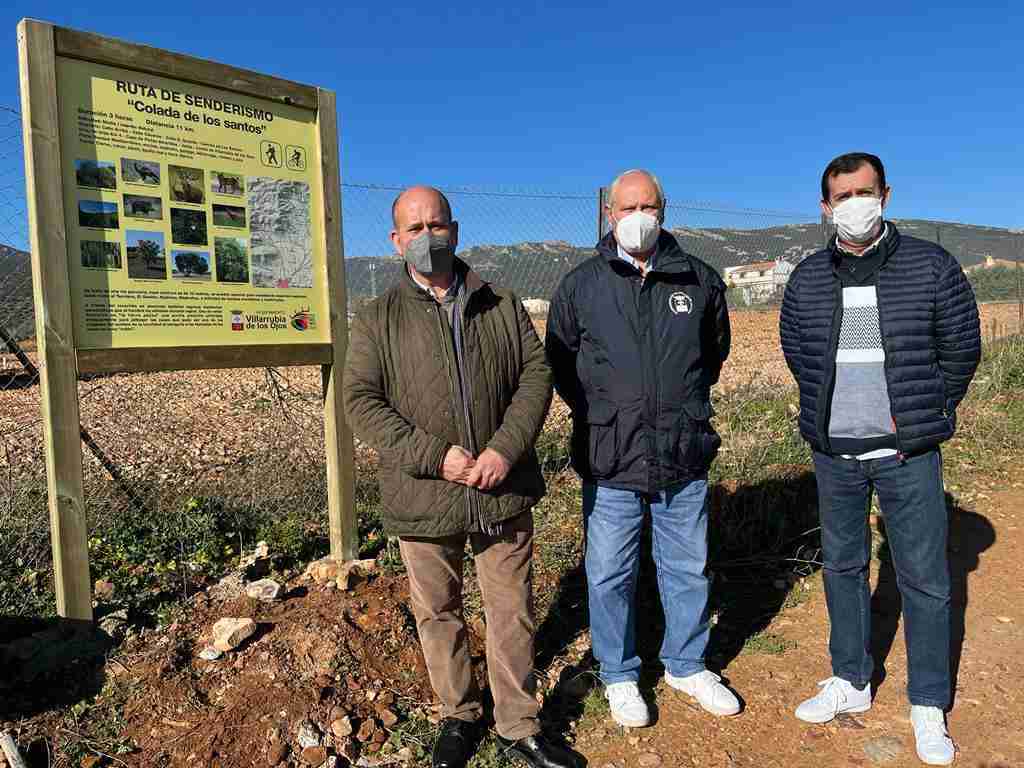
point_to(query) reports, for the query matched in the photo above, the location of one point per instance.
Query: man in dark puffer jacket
(881, 332)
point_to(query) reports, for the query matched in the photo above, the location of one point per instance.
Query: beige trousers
(503, 568)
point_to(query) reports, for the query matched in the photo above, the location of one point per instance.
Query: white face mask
(637, 232)
(856, 218)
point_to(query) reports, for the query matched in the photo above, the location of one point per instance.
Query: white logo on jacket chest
(680, 303)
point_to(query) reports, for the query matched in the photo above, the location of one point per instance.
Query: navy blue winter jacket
(930, 331)
(635, 360)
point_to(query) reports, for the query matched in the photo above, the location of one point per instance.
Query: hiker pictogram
(270, 153)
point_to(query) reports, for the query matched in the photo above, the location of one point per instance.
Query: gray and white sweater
(861, 423)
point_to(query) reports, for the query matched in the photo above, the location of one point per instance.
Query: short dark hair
(446, 207)
(849, 163)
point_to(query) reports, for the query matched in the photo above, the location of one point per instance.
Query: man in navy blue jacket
(636, 337)
(881, 332)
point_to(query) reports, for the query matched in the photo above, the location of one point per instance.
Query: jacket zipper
(452, 389)
(638, 299)
(460, 360)
(886, 365)
(830, 383)
(656, 401)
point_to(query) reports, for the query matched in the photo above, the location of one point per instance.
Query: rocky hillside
(16, 314)
(533, 269)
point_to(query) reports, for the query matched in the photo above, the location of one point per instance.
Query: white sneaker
(934, 746)
(836, 696)
(706, 687)
(628, 707)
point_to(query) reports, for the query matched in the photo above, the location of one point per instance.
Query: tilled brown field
(757, 357)
(200, 424)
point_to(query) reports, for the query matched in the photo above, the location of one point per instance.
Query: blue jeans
(913, 504)
(679, 526)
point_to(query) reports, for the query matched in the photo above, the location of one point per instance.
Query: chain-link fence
(183, 470)
(527, 241)
(993, 259)
(22, 487)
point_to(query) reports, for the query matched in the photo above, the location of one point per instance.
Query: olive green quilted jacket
(402, 398)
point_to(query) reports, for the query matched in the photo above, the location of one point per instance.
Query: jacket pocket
(602, 438)
(698, 441)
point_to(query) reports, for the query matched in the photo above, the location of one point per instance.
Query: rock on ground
(342, 727)
(314, 756)
(229, 633)
(387, 716)
(309, 735)
(266, 590)
(103, 590)
(323, 570)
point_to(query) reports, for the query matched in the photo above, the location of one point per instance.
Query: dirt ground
(987, 545)
(322, 654)
(318, 655)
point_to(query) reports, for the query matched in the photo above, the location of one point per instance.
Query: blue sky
(739, 104)
(96, 206)
(133, 236)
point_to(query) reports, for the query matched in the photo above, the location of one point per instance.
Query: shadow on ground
(970, 534)
(48, 664)
(764, 537)
(757, 533)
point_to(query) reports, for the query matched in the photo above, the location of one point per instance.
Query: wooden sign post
(183, 214)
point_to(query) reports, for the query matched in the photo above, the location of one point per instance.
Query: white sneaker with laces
(934, 746)
(836, 696)
(706, 687)
(628, 707)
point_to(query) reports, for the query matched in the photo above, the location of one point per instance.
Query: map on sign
(192, 213)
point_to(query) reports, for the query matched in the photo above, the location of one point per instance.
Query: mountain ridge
(532, 269)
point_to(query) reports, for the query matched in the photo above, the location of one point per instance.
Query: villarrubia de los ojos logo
(303, 320)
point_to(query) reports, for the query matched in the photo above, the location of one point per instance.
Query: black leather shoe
(454, 744)
(538, 751)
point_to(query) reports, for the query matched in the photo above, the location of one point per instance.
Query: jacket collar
(668, 256)
(472, 280)
(887, 245)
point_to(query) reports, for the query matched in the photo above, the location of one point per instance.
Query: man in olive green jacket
(447, 380)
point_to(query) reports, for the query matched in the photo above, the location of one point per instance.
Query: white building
(760, 281)
(537, 307)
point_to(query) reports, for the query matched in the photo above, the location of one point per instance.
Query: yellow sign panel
(193, 214)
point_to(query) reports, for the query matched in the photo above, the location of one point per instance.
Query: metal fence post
(1020, 299)
(602, 197)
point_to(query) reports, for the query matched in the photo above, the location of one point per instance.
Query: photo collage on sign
(179, 222)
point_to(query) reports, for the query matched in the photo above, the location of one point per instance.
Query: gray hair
(654, 180)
